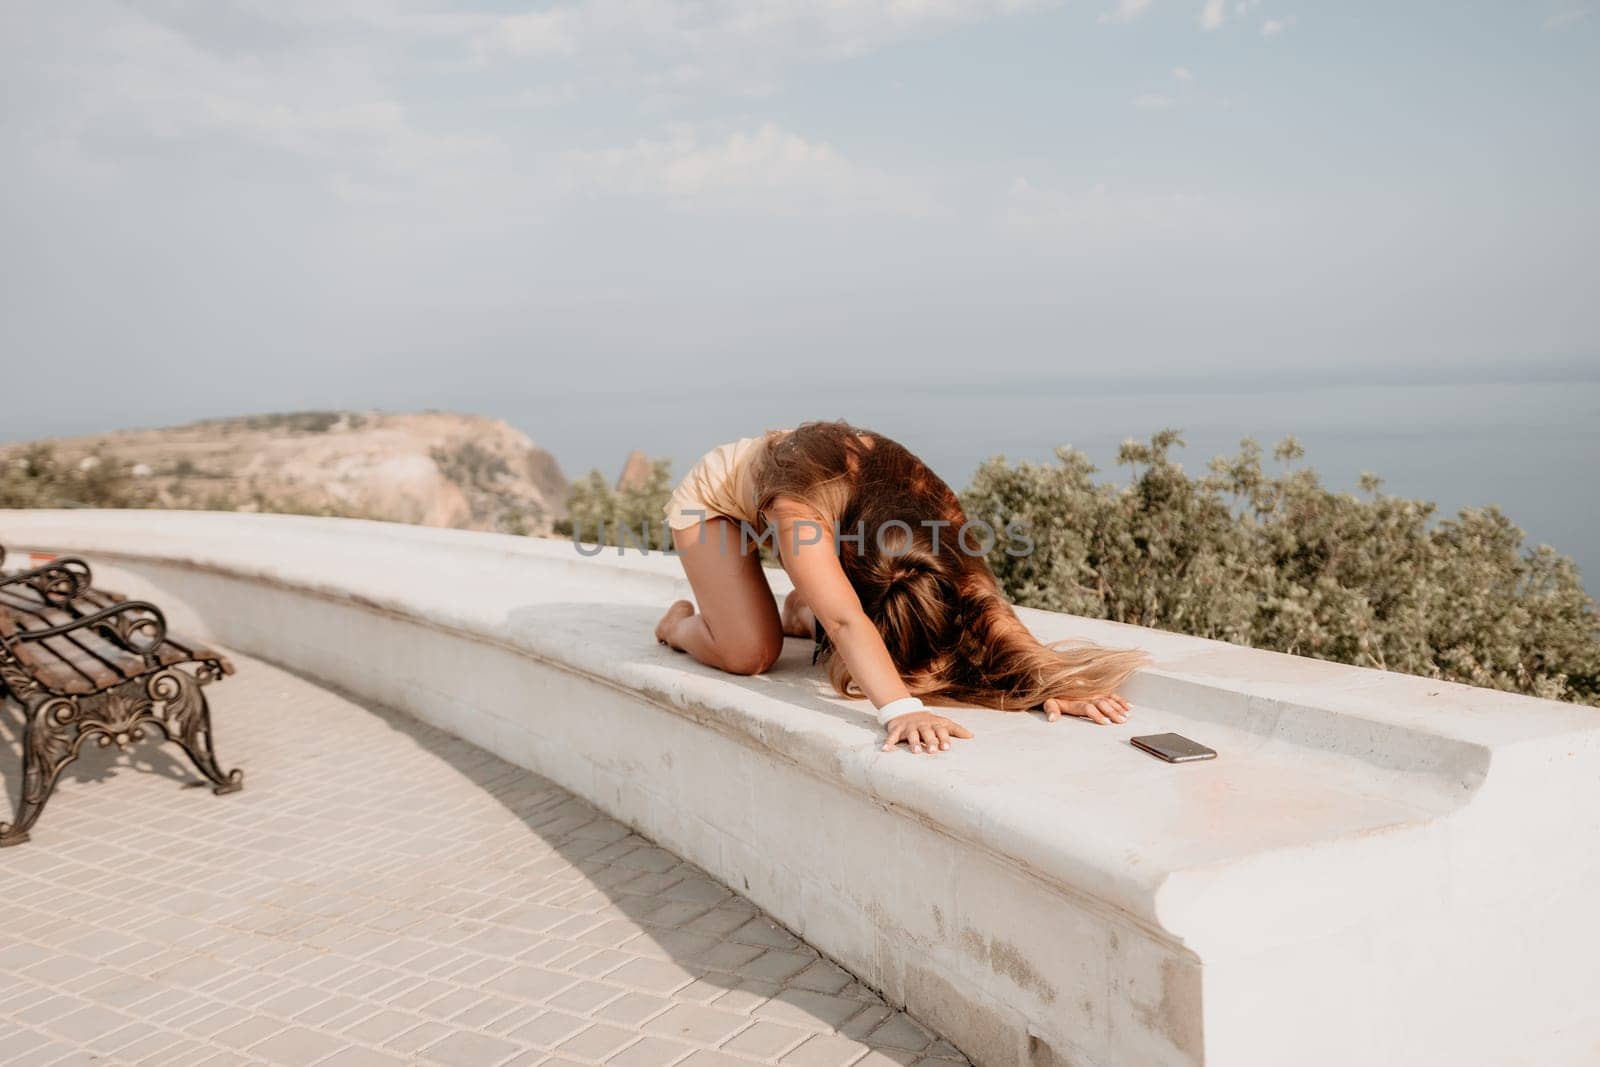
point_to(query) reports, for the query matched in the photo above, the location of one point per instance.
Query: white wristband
(902, 706)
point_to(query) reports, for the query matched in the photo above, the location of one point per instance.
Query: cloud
(1567, 16)
(1182, 80)
(322, 98)
(767, 169)
(1212, 14)
(132, 80)
(181, 102)
(1275, 27)
(535, 33)
(722, 44)
(1125, 11)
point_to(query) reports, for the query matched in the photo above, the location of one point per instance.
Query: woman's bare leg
(738, 629)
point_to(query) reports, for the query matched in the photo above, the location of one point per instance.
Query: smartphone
(1174, 748)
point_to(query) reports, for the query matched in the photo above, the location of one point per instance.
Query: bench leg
(49, 743)
(187, 720)
(59, 726)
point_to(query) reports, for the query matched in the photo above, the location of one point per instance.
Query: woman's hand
(1103, 710)
(923, 731)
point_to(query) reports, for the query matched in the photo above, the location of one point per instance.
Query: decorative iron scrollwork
(14, 677)
(59, 582)
(137, 625)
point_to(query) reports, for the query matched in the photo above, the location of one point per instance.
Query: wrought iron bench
(86, 663)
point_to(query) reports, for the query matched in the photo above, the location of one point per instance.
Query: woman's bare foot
(797, 619)
(680, 610)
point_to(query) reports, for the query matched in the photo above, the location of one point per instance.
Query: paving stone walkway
(381, 892)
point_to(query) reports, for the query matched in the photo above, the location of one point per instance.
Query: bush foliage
(1279, 561)
(38, 478)
(597, 513)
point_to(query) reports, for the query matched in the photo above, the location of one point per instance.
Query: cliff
(433, 469)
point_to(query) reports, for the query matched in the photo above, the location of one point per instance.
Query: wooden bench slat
(100, 660)
(98, 668)
(74, 669)
(85, 660)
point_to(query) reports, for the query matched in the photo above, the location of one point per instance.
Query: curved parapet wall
(1377, 868)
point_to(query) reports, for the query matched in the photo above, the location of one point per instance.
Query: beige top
(721, 483)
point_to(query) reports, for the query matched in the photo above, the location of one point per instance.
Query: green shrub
(1279, 561)
(635, 516)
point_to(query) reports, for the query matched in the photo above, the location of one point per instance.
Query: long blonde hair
(948, 628)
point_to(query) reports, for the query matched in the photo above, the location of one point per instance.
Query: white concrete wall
(1378, 869)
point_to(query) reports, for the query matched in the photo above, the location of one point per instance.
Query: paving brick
(765, 1040)
(463, 1049)
(327, 1009)
(776, 965)
(356, 1056)
(293, 1000)
(143, 1048)
(900, 1031)
(55, 969)
(379, 1027)
(864, 1022)
(118, 1037)
(631, 1009)
(824, 1050)
(485, 1010)
(748, 995)
(80, 1057)
(297, 1045)
(705, 990)
(708, 1058)
(602, 962)
(216, 1021)
(243, 1034)
(452, 1003)
(650, 1052)
(613, 932)
(48, 1008)
(597, 1042)
(651, 976)
(535, 917)
(17, 1042)
(418, 1037)
(803, 1008)
(696, 1024)
(729, 956)
(529, 983)
(822, 976)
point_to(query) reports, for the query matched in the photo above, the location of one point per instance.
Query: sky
(221, 207)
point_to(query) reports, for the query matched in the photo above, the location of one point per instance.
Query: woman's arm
(805, 547)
